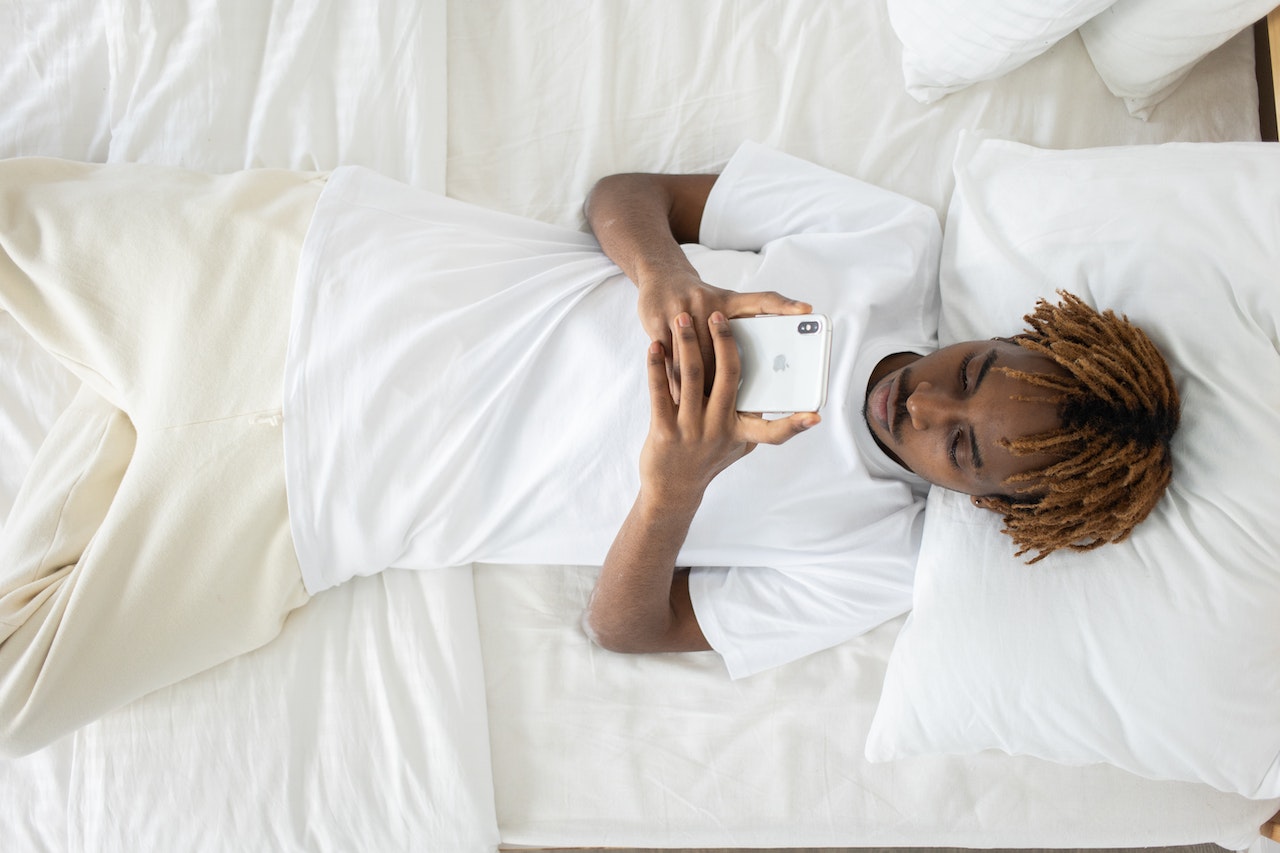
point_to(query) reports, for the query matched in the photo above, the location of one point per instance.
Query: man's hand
(692, 440)
(640, 221)
(640, 603)
(667, 296)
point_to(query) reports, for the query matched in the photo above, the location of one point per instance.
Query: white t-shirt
(467, 386)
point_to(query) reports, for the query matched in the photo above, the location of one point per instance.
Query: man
(460, 385)
(1068, 437)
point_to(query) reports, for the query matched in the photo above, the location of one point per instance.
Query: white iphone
(785, 359)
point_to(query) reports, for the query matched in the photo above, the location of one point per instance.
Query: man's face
(945, 415)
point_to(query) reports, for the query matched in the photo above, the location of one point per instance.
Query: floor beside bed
(1193, 848)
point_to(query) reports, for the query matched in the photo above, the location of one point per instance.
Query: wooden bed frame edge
(1267, 55)
(1273, 42)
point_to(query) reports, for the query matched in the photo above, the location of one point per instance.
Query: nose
(929, 407)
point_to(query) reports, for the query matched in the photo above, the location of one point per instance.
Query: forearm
(641, 220)
(632, 608)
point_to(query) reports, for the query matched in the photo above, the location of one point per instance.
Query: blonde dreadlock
(1119, 409)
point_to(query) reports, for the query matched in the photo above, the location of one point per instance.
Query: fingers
(714, 365)
(1271, 829)
(765, 302)
(756, 430)
(728, 367)
(704, 348)
(707, 348)
(688, 364)
(661, 404)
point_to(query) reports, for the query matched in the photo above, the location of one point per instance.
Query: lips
(891, 396)
(878, 403)
(884, 404)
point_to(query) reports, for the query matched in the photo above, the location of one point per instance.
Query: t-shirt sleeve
(758, 618)
(763, 195)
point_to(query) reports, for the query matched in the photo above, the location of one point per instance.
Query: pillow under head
(1160, 654)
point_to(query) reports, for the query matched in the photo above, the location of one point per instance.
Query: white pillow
(1161, 654)
(299, 84)
(1144, 48)
(950, 44)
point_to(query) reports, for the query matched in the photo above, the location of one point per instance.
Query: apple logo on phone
(780, 363)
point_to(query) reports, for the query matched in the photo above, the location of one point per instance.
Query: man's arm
(639, 603)
(640, 221)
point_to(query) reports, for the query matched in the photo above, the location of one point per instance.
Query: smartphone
(785, 359)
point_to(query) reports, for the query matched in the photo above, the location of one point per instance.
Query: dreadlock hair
(1119, 410)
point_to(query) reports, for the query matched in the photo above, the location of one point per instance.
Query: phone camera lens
(808, 327)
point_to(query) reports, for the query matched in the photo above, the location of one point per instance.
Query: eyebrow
(974, 453)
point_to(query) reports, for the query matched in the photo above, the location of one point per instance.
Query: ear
(984, 502)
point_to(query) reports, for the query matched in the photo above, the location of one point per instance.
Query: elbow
(599, 196)
(614, 194)
(597, 633)
(609, 635)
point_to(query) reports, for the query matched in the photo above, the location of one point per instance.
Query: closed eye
(984, 368)
(964, 371)
(975, 455)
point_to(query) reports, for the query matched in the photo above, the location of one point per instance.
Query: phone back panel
(785, 359)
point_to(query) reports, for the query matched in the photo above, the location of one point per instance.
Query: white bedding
(361, 727)
(670, 86)
(665, 750)
(364, 726)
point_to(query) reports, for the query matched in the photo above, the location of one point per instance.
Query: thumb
(765, 302)
(757, 430)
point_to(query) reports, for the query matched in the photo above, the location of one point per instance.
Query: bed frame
(1267, 55)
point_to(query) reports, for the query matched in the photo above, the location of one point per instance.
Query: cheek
(931, 461)
(924, 458)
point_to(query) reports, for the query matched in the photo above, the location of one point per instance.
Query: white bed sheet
(625, 751)
(358, 729)
(303, 84)
(583, 89)
(361, 727)
(54, 76)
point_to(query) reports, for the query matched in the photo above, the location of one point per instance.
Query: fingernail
(683, 321)
(717, 317)
(655, 347)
